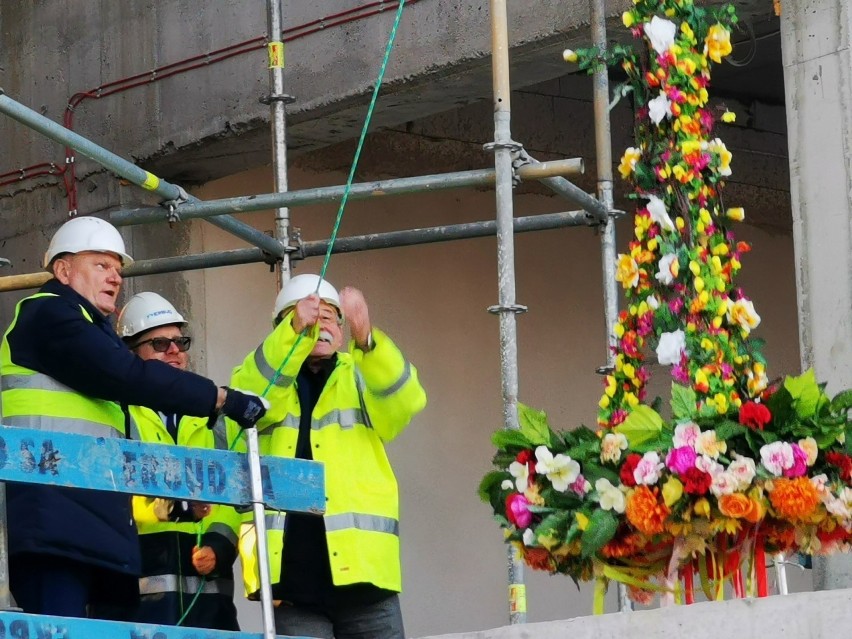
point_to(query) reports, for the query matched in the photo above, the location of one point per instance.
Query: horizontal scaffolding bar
(428, 235)
(360, 191)
(129, 171)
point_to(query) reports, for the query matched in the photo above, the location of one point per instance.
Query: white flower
(507, 484)
(777, 457)
(743, 470)
(723, 484)
(653, 302)
(837, 507)
(661, 33)
(611, 446)
(521, 473)
(657, 209)
(809, 445)
(648, 469)
(561, 470)
(609, 496)
(708, 465)
(742, 313)
(671, 347)
(686, 434)
(664, 273)
(819, 482)
(529, 538)
(659, 108)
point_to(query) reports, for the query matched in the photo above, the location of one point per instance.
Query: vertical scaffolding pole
(5, 594)
(278, 101)
(507, 308)
(603, 154)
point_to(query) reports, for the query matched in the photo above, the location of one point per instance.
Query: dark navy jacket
(53, 337)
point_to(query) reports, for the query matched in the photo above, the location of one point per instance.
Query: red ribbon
(760, 567)
(689, 593)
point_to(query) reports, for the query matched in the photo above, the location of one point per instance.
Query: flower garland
(743, 467)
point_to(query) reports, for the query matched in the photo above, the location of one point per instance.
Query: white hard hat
(86, 234)
(300, 287)
(145, 311)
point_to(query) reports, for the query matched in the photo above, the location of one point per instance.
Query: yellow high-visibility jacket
(368, 400)
(168, 576)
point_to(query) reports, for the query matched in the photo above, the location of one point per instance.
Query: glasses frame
(177, 341)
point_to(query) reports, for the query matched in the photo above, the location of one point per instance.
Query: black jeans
(382, 620)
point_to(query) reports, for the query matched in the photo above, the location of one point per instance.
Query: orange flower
(740, 506)
(794, 499)
(645, 511)
(538, 559)
(626, 546)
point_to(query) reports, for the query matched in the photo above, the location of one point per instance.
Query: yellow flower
(604, 402)
(729, 117)
(737, 214)
(569, 55)
(619, 330)
(611, 385)
(742, 313)
(717, 44)
(702, 507)
(721, 403)
(809, 445)
(720, 249)
(628, 19)
(687, 32)
(627, 271)
(699, 284)
(717, 146)
(629, 371)
(672, 491)
(628, 161)
(690, 146)
(582, 520)
(679, 172)
(679, 223)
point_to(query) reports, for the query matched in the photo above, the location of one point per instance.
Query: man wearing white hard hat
(337, 575)
(188, 549)
(65, 369)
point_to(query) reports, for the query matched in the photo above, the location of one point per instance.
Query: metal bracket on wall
(517, 309)
(4, 262)
(276, 97)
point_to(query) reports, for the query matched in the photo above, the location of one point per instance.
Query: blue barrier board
(17, 625)
(157, 470)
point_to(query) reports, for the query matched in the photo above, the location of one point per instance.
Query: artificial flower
(560, 469)
(569, 55)
(800, 462)
(667, 269)
(708, 465)
(681, 459)
(809, 445)
(645, 512)
(776, 457)
(672, 491)
(737, 214)
(657, 209)
(611, 446)
(521, 474)
(739, 506)
(754, 415)
(708, 444)
(610, 497)
(686, 434)
(659, 108)
(717, 44)
(723, 483)
(647, 471)
(718, 147)
(627, 271)
(743, 470)
(742, 313)
(729, 116)
(626, 472)
(842, 462)
(696, 482)
(670, 347)
(517, 510)
(529, 537)
(794, 499)
(661, 33)
(628, 162)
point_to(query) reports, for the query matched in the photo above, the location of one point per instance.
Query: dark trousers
(51, 585)
(382, 620)
(46, 585)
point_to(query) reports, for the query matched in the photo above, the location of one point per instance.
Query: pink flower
(681, 459)
(580, 486)
(517, 510)
(647, 471)
(686, 434)
(777, 457)
(676, 305)
(800, 462)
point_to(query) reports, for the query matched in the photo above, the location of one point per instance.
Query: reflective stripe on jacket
(35, 400)
(368, 400)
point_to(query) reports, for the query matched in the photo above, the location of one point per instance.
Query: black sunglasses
(162, 344)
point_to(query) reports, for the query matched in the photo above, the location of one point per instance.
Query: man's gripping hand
(244, 407)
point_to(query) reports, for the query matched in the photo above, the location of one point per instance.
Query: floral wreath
(743, 467)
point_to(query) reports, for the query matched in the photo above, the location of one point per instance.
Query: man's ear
(62, 270)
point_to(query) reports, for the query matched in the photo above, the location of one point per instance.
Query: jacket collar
(63, 290)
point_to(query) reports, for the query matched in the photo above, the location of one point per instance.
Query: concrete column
(815, 41)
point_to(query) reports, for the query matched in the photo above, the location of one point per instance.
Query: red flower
(627, 469)
(527, 457)
(696, 482)
(754, 415)
(843, 462)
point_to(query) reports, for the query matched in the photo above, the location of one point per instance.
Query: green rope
(349, 179)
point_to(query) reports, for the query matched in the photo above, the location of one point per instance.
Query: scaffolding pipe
(259, 516)
(353, 244)
(325, 194)
(278, 116)
(566, 189)
(128, 170)
(603, 156)
(503, 146)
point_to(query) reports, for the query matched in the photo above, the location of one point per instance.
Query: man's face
(330, 332)
(150, 341)
(95, 276)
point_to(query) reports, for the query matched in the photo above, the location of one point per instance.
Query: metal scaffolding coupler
(517, 309)
(517, 150)
(276, 97)
(173, 216)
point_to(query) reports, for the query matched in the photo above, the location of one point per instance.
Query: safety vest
(368, 400)
(148, 426)
(34, 400)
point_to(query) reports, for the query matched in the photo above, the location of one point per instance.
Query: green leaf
(594, 472)
(780, 404)
(507, 437)
(534, 425)
(683, 402)
(842, 402)
(582, 450)
(643, 424)
(490, 482)
(805, 392)
(555, 525)
(601, 528)
(729, 428)
(660, 443)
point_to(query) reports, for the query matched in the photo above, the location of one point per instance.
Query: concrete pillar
(815, 41)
